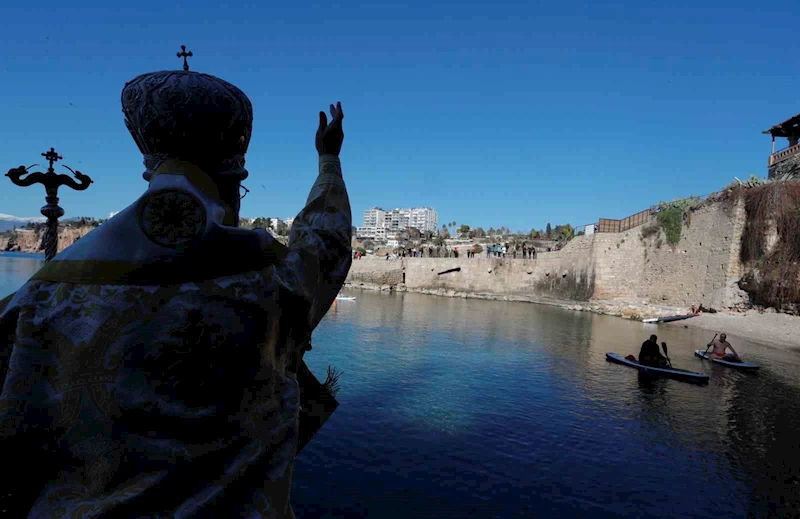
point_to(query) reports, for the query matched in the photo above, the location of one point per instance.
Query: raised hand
(330, 136)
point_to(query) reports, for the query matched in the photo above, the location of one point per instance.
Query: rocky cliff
(24, 240)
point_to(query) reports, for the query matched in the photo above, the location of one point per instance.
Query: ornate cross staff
(51, 182)
(183, 54)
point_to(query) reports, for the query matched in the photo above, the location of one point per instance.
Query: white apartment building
(372, 217)
(380, 223)
(424, 219)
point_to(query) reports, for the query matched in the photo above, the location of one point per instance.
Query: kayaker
(650, 355)
(720, 345)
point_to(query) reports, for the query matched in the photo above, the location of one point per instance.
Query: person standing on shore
(155, 367)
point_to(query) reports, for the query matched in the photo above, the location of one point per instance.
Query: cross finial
(51, 156)
(183, 54)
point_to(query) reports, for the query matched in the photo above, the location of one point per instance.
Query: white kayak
(678, 374)
(738, 365)
(345, 298)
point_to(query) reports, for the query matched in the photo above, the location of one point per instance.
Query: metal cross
(51, 182)
(51, 156)
(183, 54)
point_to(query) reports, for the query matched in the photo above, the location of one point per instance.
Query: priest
(154, 368)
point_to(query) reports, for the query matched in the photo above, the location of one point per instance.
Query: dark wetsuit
(650, 354)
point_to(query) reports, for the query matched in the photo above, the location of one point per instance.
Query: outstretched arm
(319, 252)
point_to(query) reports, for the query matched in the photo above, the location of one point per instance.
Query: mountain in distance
(8, 222)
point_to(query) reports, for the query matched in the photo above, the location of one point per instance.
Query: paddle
(664, 345)
(709, 345)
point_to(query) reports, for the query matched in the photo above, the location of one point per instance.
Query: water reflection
(17, 268)
(458, 408)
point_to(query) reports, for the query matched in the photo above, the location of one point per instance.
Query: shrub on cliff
(772, 215)
(672, 216)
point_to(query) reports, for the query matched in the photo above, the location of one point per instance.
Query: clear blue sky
(494, 113)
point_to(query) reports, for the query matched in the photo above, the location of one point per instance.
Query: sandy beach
(771, 329)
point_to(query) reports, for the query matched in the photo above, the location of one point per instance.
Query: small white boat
(749, 366)
(345, 298)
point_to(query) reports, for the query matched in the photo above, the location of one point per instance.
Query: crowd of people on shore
(496, 250)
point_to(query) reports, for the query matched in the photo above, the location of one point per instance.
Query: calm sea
(468, 408)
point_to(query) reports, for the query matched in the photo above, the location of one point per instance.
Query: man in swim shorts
(720, 345)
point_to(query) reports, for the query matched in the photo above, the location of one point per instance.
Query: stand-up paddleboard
(748, 366)
(345, 298)
(668, 319)
(677, 374)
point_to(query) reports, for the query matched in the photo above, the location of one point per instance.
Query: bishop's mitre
(190, 116)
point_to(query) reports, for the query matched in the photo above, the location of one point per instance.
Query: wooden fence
(608, 225)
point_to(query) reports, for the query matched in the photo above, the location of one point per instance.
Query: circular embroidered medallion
(172, 217)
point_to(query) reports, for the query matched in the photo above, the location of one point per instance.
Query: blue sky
(495, 113)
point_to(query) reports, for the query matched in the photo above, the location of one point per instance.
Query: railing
(783, 154)
(609, 225)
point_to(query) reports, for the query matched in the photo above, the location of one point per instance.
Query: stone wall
(788, 168)
(636, 266)
(371, 270)
(703, 267)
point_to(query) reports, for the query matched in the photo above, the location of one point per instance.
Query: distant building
(785, 163)
(381, 223)
(424, 218)
(394, 243)
(273, 223)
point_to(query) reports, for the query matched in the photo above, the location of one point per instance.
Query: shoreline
(763, 327)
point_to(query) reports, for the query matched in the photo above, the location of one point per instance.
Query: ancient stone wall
(703, 267)
(635, 266)
(372, 270)
(788, 168)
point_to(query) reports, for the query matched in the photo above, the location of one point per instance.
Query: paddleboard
(677, 374)
(345, 298)
(668, 319)
(749, 366)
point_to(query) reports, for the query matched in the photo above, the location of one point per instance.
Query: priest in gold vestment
(154, 368)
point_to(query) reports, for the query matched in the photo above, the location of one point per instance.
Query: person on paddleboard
(650, 355)
(720, 345)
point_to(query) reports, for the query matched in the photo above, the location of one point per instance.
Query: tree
(261, 223)
(445, 234)
(491, 231)
(464, 228)
(414, 234)
(549, 230)
(480, 233)
(368, 244)
(565, 232)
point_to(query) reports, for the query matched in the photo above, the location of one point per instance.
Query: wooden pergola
(789, 129)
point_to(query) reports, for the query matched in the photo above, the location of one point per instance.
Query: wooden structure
(789, 129)
(635, 220)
